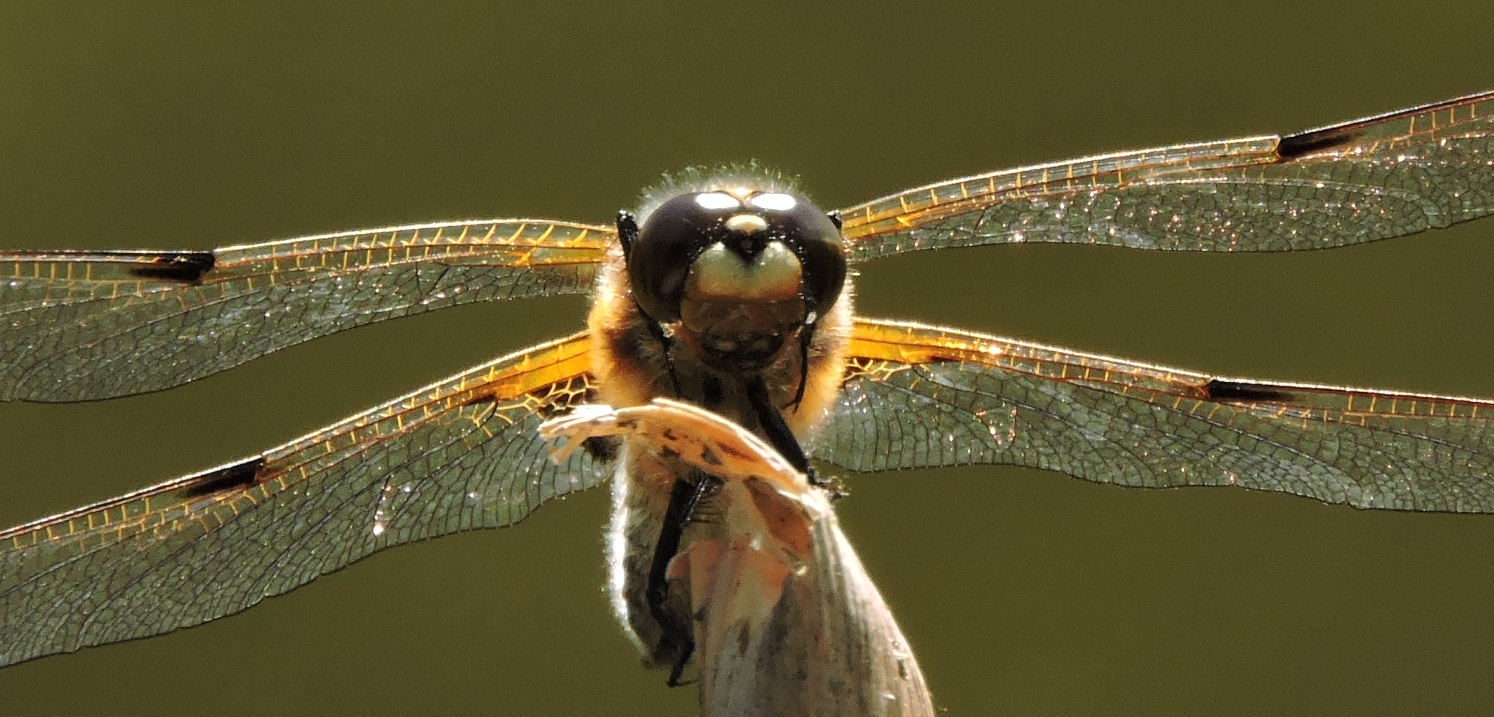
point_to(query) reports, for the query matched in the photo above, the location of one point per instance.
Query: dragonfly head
(739, 270)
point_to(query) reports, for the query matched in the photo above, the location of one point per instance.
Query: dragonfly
(465, 453)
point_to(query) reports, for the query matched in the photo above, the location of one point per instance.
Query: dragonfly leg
(678, 633)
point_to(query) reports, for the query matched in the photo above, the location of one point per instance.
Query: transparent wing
(919, 396)
(1369, 179)
(461, 454)
(87, 325)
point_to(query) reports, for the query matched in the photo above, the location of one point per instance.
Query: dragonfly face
(462, 454)
(715, 287)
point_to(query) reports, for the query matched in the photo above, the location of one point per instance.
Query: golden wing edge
(268, 248)
(76, 316)
(912, 208)
(506, 378)
(984, 400)
(382, 246)
(891, 213)
(914, 343)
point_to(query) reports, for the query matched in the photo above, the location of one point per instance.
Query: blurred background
(170, 124)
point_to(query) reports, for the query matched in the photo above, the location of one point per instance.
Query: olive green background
(169, 125)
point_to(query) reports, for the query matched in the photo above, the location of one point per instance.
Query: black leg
(805, 337)
(777, 431)
(684, 497)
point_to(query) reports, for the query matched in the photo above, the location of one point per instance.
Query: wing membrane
(1369, 179)
(89, 325)
(919, 396)
(461, 454)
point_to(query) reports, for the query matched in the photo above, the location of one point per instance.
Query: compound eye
(815, 240)
(668, 242)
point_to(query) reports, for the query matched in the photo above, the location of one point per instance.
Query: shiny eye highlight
(716, 200)
(773, 201)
